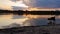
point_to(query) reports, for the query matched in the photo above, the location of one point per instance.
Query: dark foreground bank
(32, 30)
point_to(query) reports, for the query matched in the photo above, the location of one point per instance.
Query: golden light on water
(8, 19)
(37, 16)
(30, 16)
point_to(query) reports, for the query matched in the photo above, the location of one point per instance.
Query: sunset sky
(43, 3)
(11, 4)
(8, 4)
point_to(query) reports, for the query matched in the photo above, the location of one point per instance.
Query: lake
(26, 20)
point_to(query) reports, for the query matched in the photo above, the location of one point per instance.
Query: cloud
(14, 0)
(20, 4)
(18, 8)
(43, 3)
(8, 5)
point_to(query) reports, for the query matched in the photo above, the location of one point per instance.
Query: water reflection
(7, 20)
(26, 20)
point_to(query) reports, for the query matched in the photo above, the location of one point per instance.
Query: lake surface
(26, 20)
